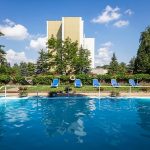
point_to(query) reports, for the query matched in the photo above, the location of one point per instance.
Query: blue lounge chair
(55, 83)
(114, 83)
(132, 82)
(77, 83)
(96, 83)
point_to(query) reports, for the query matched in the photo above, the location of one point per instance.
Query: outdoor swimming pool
(74, 123)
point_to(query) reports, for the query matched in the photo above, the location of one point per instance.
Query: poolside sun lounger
(96, 83)
(78, 83)
(114, 83)
(132, 82)
(55, 83)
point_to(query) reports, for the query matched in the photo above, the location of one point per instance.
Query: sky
(115, 24)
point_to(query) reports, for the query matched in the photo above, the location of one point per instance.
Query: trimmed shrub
(19, 79)
(46, 80)
(64, 79)
(4, 79)
(85, 78)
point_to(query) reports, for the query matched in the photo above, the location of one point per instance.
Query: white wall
(81, 31)
(89, 43)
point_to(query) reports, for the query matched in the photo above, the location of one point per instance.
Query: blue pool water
(74, 123)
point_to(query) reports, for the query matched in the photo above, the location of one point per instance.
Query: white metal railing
(130, 89)
(5, 91)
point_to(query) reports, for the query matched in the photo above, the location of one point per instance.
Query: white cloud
(121, 23)
(107, 15)
(9, 22)
(128, 12)
(39, 43)
(104, 54)
(14, 31)
(107, 44)
(16, 57)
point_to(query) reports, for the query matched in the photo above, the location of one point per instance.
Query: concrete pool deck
(102, 94)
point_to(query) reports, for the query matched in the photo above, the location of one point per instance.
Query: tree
(24, 69)
(142, 61)
(113, 66)
(122, 68)
(82, 64)
(16, 71)
(70, 50)
(43, 62)
(131, 65)
(67, 57)
(31, 69)
(2, 53)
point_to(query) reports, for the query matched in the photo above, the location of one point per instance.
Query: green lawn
(85, 88)
(46, 88)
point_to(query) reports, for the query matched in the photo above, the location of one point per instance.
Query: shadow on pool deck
(102, 94)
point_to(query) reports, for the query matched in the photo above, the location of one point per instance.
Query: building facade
(72, 27)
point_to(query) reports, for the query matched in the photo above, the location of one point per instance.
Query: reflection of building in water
(78, 129)
(63, 118)
(143, 109)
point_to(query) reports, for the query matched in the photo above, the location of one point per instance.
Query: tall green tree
(131, 65)
(142, 61)
(82, 64)
(67, 57)
(16, 71)
(2, 53)
(31, 69)
(24, 69)
(43, 62)
(70, 50)
(113, 66)
(122, 68)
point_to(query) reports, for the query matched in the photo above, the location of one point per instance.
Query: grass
(83, 89)
(87, 89)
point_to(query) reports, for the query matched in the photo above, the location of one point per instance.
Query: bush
(4, 79)
(64, 79)
(46, 80)
(104, 78)
(23, 91)
(85, 78)
(19, 79)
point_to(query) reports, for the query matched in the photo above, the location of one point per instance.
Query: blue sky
(115, 25)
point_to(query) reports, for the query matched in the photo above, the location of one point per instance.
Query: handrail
(5, 93)
(122, 86)
(1, 87)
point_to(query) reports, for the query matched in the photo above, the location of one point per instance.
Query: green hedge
(19, 80)
(4, 79)
(85, 78)
(46, 80)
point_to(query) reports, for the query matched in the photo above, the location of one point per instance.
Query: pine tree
(142, 61)
(24, 69)
(2, 53)
(43, 62)
(131, 65)
(113, 66)
(31, 69)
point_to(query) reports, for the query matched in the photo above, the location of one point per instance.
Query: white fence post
(130, 91)
(99, 92)
(5, 91)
